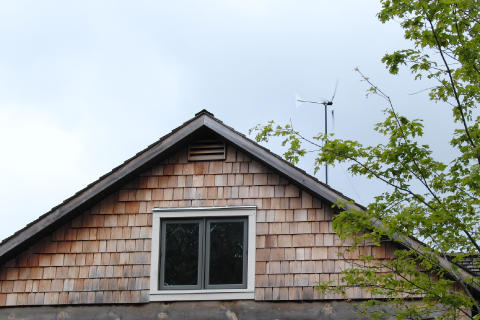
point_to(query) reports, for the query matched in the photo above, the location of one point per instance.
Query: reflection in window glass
(181, 254)
(226, 252)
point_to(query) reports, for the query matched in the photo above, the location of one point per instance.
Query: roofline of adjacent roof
(201, 119)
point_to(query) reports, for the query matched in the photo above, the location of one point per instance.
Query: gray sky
(85, 85)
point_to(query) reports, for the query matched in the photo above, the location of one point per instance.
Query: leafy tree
(434, 201)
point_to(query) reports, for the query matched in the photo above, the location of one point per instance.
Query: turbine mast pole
(326, 131)
(325, 103)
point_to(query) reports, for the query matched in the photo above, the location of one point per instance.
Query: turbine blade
(334, 91)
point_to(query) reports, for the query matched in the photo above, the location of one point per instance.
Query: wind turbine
(325, 103)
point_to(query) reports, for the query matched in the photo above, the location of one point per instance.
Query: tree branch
(454, 90)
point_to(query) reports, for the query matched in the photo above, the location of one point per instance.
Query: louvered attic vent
(206, 150)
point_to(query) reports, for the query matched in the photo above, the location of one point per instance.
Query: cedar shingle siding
(103, 255)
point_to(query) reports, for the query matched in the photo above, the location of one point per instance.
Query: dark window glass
(203, 253)
(181, 254)
(226, 252)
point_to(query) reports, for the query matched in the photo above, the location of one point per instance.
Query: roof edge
(201, 119)
(101, 185)
(279, 164)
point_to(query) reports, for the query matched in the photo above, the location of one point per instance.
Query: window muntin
(212, 252)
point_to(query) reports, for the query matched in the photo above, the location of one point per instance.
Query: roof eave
(103, 184)
(202, 119)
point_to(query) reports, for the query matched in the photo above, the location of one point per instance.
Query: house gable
(96, 246)
(105, 184)
(103, 254)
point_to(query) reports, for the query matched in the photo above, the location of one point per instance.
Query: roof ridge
(204, 111)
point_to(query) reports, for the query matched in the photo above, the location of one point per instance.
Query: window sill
(193, 295)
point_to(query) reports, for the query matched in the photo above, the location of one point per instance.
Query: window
(203, 253)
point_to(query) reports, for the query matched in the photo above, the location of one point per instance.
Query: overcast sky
(84, 85)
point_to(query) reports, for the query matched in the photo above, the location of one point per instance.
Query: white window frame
(249, 212)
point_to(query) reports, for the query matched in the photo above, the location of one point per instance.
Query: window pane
(181, 254)
(226, 252)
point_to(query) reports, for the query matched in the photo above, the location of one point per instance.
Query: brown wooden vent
(206, 150)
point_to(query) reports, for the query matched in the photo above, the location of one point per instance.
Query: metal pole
(325, 104)
(326, 131)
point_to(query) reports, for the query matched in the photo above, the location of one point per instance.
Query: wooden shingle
(103, 255)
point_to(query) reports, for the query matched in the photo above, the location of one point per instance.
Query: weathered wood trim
(278, 164)
(99, 187)
(208, 310)
(322, 191)
(203, 119)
